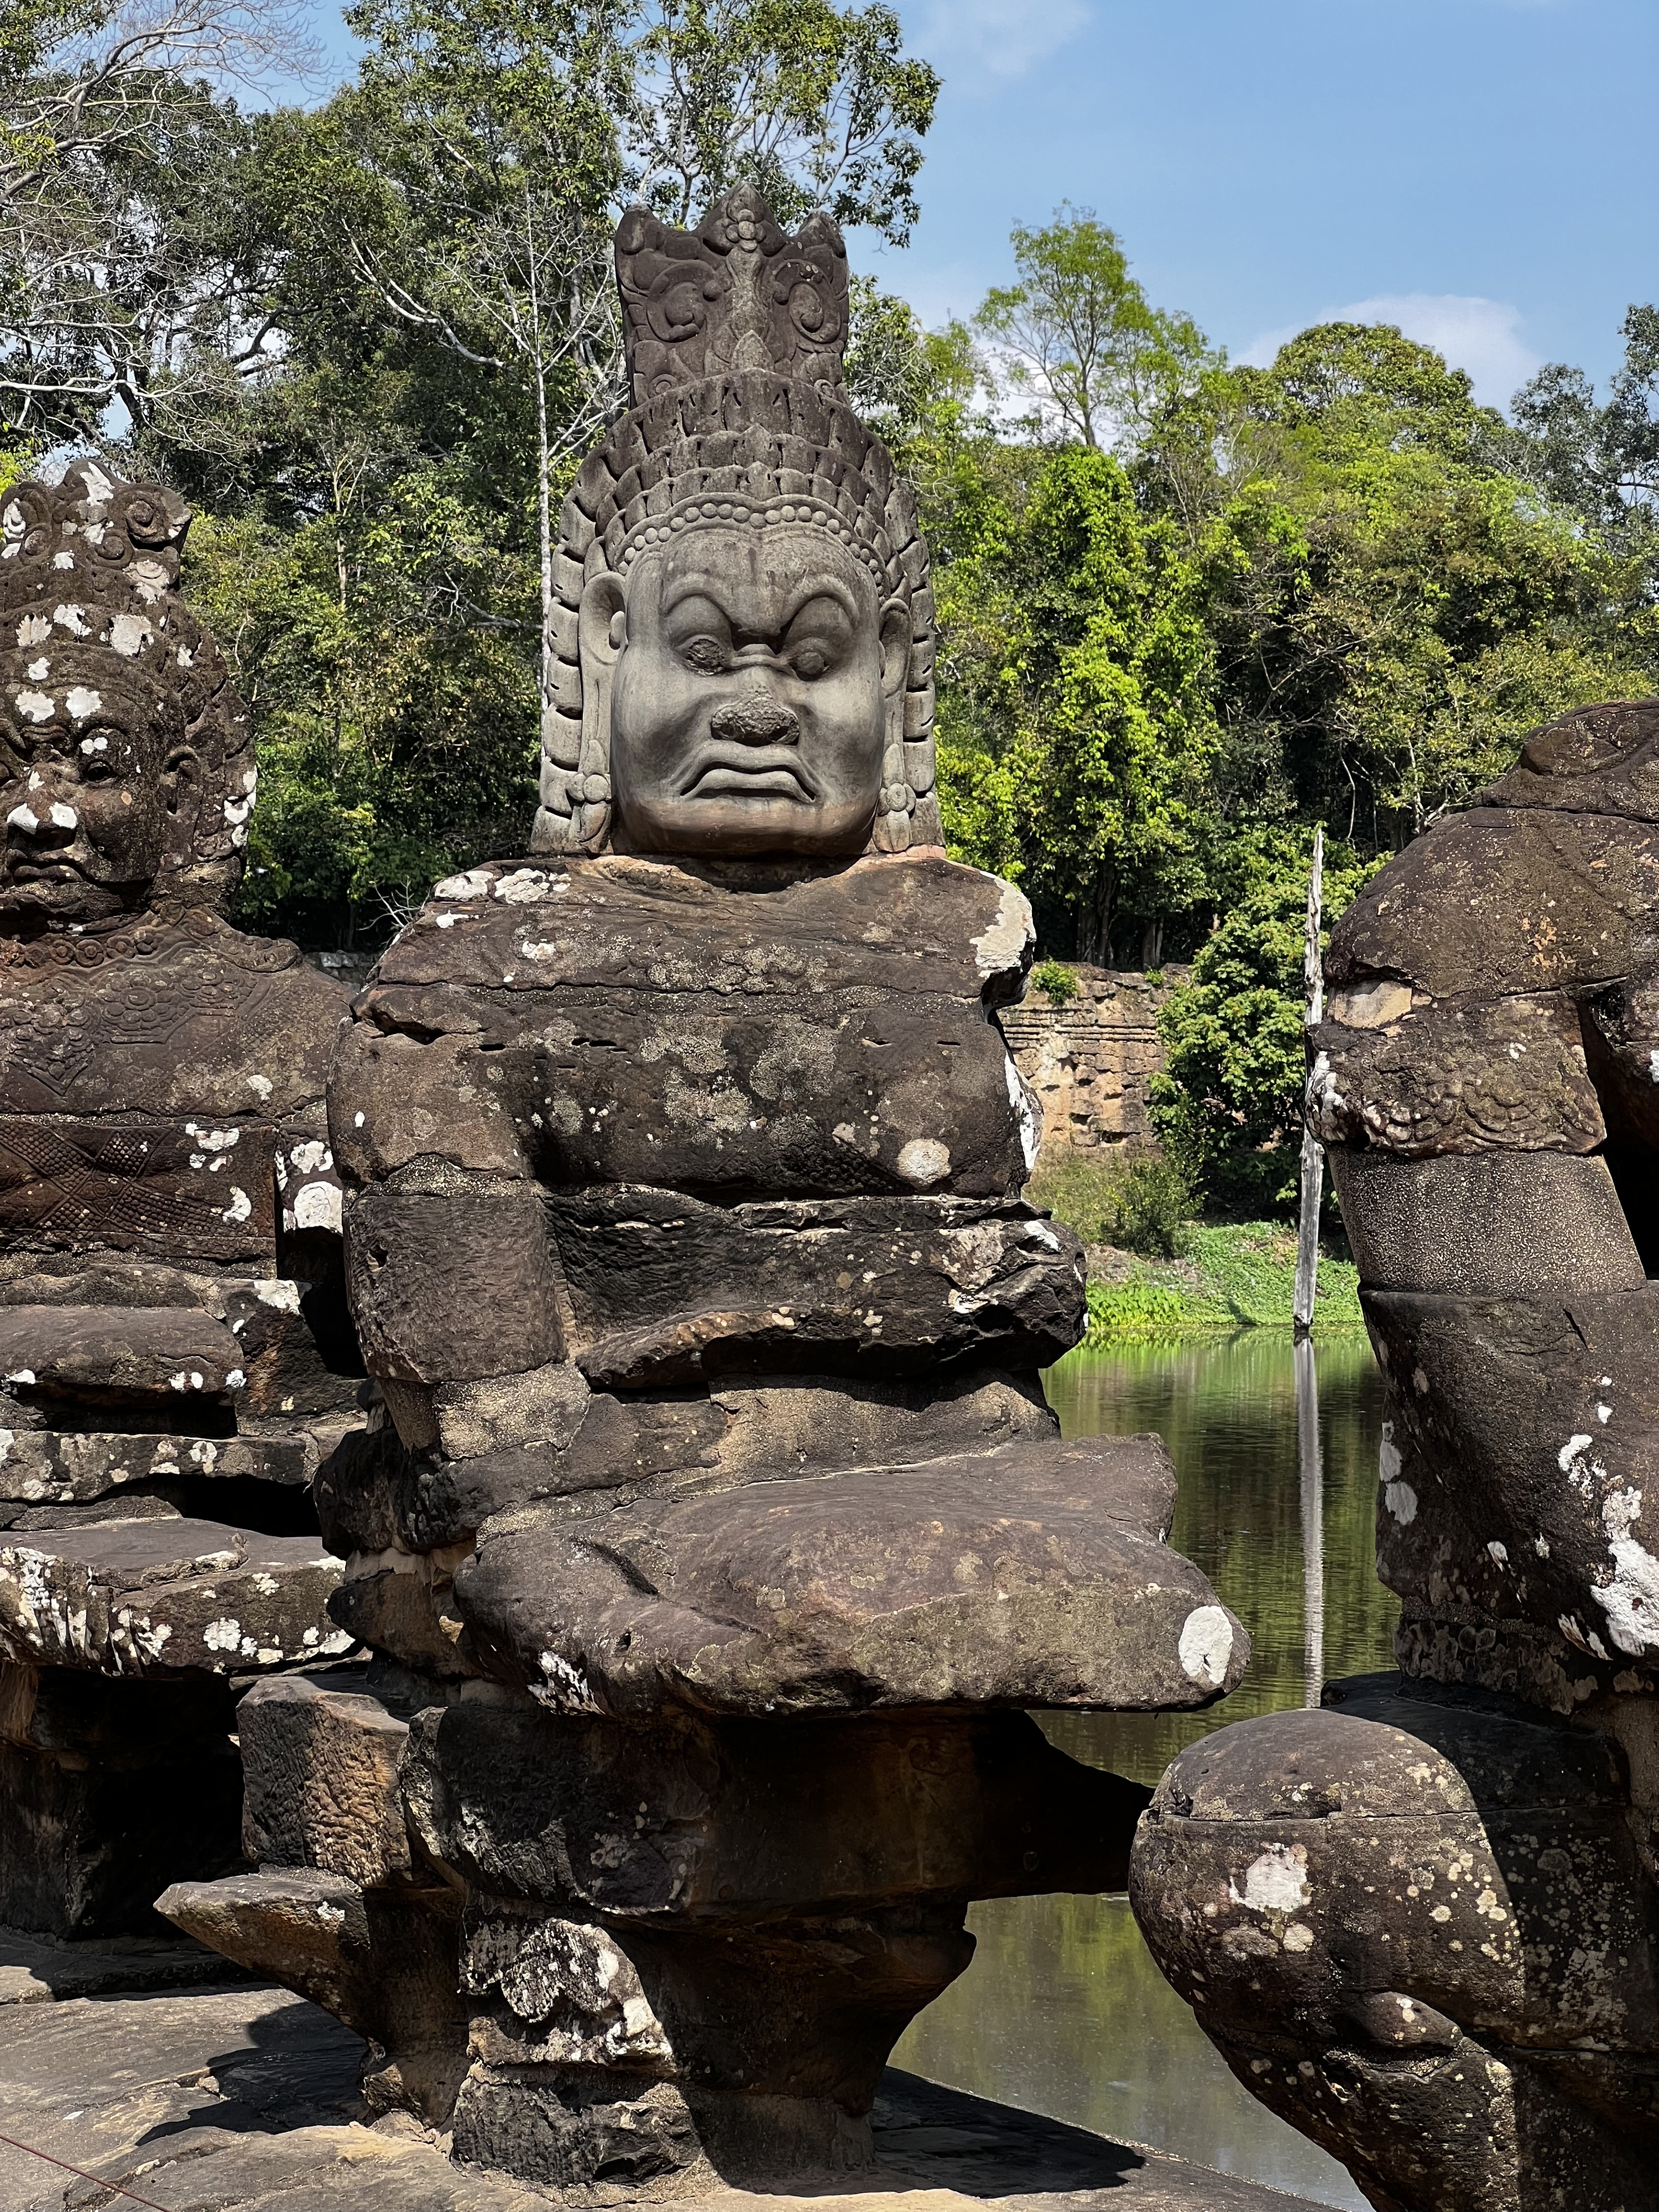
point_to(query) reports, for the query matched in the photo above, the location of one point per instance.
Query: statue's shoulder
(914, 921)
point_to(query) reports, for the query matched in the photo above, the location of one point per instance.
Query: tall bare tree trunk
(543, 471)
(544, 520)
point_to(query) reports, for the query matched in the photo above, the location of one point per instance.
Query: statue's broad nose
(756, 719)
(49, 822)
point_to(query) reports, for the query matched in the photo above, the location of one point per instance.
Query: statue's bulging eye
(811, 661)
(706, 654)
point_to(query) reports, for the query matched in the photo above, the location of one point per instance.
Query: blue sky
(1482, 172)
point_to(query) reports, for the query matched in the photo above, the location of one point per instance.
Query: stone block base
(86, 1847)
(603, 2137)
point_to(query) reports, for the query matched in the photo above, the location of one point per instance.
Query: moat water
(1063, 2011)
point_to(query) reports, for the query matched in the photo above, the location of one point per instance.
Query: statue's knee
(1394, 1871)
(1421, 1933)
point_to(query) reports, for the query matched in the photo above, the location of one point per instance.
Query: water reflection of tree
(1228, 1413)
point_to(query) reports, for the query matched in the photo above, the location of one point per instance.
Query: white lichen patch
(564, 1688)
(280, 1291)
(212, 1140)
(318, 1206)
(149, 579)
(923, 1161)
(83, 701)
(312, 1158)
(1275, 1881)
(1398, 1496)
(129, 635)
(1011, 938)
(1631, 1599)
(475, 883)
(240, 1206)
(33, 706)
(1206, 1646)
(72, 616)
(523, 886)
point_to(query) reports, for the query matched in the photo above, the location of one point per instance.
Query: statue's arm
(451, 1281)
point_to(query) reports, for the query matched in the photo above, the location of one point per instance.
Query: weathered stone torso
(161, 1092)
(751, 1032)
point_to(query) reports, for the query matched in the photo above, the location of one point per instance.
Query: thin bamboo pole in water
(1313, 1155)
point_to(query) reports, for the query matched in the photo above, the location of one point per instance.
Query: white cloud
(994, 38)
(1481, 335)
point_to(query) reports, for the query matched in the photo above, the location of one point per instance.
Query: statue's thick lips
(32, 864)
(771, 771)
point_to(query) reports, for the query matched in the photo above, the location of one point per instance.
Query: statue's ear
(896, 636)
(601, 636)
(602, 627)
(180, 787)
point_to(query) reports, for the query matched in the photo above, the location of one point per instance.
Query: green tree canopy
(1077, 334)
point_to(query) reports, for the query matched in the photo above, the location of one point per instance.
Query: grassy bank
(1233, 1275)
(1155, 1272)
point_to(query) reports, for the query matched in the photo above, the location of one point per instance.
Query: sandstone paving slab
(762, 1029)
(664, 1289)
(244, 2097)
(56, 1467)
(34, 1970)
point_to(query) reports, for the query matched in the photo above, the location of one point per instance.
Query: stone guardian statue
(724, 1539)
(1421, 1923)
(178, 1358)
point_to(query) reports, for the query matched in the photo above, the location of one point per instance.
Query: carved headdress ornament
(735, 335)
(90, 567)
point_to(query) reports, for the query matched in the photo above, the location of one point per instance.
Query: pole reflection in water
(1311, 1468)
(1062, 2011)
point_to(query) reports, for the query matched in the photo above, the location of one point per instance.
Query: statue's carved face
(754, 681)
(98, 789)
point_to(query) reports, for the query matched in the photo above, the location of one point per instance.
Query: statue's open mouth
(731, 774)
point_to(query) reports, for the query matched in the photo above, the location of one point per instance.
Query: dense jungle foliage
(1187, 610)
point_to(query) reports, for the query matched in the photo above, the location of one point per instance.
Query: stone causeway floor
(135, 2075)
